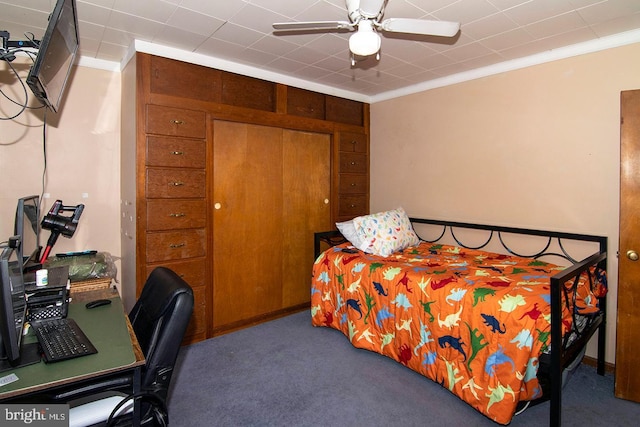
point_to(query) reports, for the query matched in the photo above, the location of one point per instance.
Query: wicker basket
(90, 285)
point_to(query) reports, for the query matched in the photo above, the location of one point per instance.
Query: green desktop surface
(105, 327)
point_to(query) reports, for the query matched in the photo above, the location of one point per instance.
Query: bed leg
(556, 355)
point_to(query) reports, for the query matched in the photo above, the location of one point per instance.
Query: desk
(109, 330)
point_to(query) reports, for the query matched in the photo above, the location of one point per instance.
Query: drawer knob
(217, 206)
(177, 215)
(354, 163)
(354, 142)
(353, 206)
(353, 184)
(176, 245)
(178, 122)
(178, 153)
(176, 184)
(326, 201)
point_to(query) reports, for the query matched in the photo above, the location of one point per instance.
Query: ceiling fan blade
(317, 25)
(420, 26)
(371, 8)
(352, 6)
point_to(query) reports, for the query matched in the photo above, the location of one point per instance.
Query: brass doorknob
(632, 255)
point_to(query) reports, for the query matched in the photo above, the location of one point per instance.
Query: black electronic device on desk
(50, 301)
(62, 339)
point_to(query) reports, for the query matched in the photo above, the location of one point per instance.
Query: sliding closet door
(247, 221)
(307, 183)
(271, 192)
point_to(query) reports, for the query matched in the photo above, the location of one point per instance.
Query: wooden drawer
(171, 245)
(352, 206)
(353, 142)
(176, 122)
(176, 152)
(353, 163)
(175, 214)
(350, 184)
(193, 271)
(175, 183)
(198, 323)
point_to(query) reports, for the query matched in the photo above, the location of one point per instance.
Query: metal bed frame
(558, 360)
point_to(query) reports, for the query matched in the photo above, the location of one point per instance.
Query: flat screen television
(57, 52)
(27, 228)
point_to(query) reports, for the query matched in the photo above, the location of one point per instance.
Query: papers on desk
(8, 379)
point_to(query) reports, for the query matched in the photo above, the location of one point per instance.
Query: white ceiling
(236, 35)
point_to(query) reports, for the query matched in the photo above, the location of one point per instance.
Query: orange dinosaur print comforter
(473, 321)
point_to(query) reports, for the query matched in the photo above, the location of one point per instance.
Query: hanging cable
(8, 55)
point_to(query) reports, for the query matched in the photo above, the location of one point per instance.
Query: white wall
(83, 156)
(537, 148)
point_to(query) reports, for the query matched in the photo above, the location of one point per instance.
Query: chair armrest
(121, 383)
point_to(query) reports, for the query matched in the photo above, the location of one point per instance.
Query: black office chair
(159, 319)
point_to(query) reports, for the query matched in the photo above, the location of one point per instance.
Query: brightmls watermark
(34, 415)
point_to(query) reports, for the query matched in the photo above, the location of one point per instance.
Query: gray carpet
(289, 373)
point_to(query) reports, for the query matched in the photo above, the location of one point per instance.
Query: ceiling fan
(364, 18)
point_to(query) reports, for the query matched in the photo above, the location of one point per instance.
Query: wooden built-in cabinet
(231, 176)
(353, 174)
(174, 205)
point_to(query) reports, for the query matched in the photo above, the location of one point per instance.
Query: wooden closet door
(247, 221)
(307, 184)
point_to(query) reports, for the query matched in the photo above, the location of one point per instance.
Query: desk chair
(159, 319)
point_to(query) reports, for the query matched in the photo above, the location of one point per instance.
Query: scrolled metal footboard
(562, 352)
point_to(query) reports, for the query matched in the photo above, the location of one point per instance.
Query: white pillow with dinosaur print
(386, 232)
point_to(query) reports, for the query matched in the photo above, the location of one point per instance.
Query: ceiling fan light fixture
(365, 41)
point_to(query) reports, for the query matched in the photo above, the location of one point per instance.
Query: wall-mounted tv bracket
(6, 51)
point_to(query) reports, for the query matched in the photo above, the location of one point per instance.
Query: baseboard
(609, 368)
(259, 319)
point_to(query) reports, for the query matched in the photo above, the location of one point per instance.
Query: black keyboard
(62, 339)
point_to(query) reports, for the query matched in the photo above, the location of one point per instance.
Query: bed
(500, 328)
